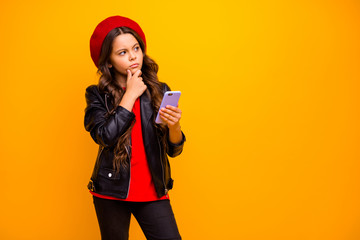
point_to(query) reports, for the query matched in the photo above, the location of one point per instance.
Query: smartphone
(170, 98)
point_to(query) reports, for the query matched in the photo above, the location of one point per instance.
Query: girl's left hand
(171, 116)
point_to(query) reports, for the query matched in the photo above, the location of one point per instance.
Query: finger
(172, 109)
(137, 73)
(169, 122)
(164, 120)
(167, 118)
(174, 117)
(129, 75)
(166, 111)
(175, 109)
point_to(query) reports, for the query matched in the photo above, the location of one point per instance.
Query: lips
(134, 65)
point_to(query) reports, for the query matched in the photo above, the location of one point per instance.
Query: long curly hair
(108, 84)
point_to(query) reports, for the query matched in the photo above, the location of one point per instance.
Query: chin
(133, 70)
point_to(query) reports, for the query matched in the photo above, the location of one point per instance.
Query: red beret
(104, 27)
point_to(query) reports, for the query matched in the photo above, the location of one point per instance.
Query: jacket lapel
(145, 109)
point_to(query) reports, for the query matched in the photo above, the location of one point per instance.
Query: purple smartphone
(170, 98)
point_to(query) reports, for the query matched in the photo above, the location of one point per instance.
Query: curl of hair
(108, 84)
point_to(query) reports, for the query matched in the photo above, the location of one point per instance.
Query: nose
(132, 55)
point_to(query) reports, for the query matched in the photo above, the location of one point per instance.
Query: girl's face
(126, 54)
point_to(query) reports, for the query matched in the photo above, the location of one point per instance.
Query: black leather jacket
(106, 128)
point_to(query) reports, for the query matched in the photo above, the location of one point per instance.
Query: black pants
(156, 219)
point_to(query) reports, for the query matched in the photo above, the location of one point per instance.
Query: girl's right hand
(135, 86)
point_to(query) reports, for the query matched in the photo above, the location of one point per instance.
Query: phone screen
(170, 98)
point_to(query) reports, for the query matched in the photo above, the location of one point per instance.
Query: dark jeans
(156, 219)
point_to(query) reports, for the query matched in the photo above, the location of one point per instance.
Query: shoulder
(165, 87)
(92, 89)
(92, 94)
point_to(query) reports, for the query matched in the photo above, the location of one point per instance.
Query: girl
(132, 171)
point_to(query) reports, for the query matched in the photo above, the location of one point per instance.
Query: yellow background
(270, 101)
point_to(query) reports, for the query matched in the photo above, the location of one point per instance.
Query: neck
(121, 79)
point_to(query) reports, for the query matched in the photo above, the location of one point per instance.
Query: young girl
(132, 171)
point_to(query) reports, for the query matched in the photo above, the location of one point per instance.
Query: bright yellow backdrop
(270, 100)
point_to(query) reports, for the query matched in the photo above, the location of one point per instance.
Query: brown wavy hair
(108, 84)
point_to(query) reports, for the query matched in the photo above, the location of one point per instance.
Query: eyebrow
(125, 48)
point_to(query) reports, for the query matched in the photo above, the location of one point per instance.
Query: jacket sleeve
(104, 128)
(174, 150)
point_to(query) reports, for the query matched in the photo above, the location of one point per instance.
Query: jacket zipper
(127, 151)
(96, 168)
(101, 150)
(162, 167)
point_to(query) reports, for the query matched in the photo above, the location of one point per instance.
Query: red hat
(104, 27)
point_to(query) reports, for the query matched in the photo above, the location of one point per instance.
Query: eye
(137, 48)
(122, 53)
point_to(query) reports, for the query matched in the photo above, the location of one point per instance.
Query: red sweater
(142, 188)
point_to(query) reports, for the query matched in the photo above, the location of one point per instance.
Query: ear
(109, 66)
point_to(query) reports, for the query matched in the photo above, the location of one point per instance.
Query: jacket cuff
(125, 112)
(177, 144)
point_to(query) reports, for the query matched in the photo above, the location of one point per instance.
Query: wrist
(175, 128)
(127, 98)
(130, 96)
(127, 101)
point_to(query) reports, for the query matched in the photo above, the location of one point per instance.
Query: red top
(142, 188)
